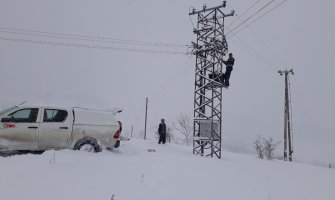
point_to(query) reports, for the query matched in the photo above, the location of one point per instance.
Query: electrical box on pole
(288, 137)
(210, 48)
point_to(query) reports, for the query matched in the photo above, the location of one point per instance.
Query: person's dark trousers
(222, 78)
(162, 138)
(227, 75)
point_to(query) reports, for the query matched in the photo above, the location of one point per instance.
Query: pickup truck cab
(38, 128)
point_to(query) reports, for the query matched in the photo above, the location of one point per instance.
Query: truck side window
(28, 115)
(53, 115)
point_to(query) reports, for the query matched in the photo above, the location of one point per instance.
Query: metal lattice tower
(210, 48)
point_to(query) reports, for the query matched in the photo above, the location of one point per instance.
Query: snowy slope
(172, 172)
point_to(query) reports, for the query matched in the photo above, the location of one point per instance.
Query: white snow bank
(172, 172)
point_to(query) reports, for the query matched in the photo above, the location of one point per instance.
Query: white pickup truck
(38, 128)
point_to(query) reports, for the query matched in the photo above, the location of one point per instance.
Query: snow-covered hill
(172, 172)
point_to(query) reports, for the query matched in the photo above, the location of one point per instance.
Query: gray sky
(298, 34)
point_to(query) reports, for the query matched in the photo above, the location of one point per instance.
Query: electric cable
(302, 105)
(252, 51)
(250, 17)
(271, 50)
(258, 18)
(89, 46)
(90, 40)
(170, 81)
(243, 13)
(84, 37)
(261, 41)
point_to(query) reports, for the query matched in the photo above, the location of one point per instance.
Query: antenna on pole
(288, 137)
(210, 48)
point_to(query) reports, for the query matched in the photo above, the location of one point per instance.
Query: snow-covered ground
(171, 173)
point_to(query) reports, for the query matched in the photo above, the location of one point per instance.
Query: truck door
(55, 129)
(19, 129)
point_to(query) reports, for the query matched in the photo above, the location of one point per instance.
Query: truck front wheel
(88, 145)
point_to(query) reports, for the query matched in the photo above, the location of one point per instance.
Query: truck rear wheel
(88, 145)
(117, 144)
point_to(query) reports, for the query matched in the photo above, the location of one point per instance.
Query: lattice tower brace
(210, 48)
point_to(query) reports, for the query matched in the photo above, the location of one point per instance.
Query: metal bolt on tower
(210, 48)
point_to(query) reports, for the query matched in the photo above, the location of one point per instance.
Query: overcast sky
(55, 69)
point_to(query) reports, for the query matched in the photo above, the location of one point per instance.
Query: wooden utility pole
(146, 115)
(287, 120)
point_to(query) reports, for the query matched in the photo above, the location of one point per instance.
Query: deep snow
(172, 172)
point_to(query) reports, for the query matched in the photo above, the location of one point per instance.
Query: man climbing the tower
(229, 67)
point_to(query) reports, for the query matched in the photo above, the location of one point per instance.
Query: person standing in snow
(229, 67)
(162, 132)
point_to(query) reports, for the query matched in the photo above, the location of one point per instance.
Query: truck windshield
(6, 110)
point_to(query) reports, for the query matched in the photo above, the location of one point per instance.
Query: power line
(301, 104)
(173, 79)
(91, 40)
(85, 37)
(258, 18)
(244, 12)
(65, 44)
(275, 55)
(246, 20)
(253, 51)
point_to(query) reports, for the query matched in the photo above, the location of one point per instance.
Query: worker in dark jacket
(162, 132)
(229, 67)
